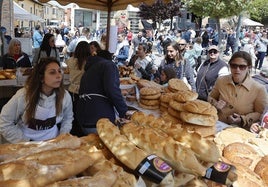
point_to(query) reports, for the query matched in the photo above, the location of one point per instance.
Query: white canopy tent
(251, 23)
(22, 14)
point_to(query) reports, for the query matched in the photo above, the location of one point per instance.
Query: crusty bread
(262, 169)
(119, 145)
(177, 84)
(149, 107)
(166, 97)
(102, 178)
(200, 107)
(241, 153)
(185, 95)
(13, 151)
(123, 178)
(206, 150)
(247, 178)
(146, 83)
(123, 149)
(231, 135)
(179, 157)
(178, 106)
(41, 169)
(173, 112)
(150, 102)
(204, 131)
(149, 91)
(198, 119)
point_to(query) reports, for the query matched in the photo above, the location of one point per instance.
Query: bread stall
(171, 139)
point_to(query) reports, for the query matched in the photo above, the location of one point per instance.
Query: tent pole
(108, 28)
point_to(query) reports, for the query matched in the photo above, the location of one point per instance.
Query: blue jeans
(260, 58)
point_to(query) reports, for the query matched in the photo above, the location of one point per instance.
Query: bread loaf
(185, 95)
(123, 149)
(41, 169)
(241, 153)
(206, 150)
(102, 178)
(177, 84)
(13, 151)
(179, 157)
(262, 169)
(198, 119)
(200, 107)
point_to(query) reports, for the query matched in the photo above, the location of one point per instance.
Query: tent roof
(249, 22)
(103, 5)
(22, 14)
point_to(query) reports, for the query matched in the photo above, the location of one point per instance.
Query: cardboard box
(8, 82)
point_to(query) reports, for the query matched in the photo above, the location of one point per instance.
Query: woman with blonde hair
(15, 57)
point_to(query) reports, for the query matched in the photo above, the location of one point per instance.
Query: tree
(218, 9)
(258, 10)
(160, 11)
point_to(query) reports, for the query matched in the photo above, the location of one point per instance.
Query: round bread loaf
(204, 131)
(177, 84)
(155, 96)
(185, 95)
(152, 107)
(198, 119)
(164, 104)
(166, 97)
(173, 112)
(176, 105)
(163, 109)
(241, 153)
(169, 118)
(262, 169)
(150, 102)
(200, 107)
(146, 83)
(149, 91)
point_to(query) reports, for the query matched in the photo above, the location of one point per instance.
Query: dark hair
(170, 73)
(105, 54)
(95, 44)
(81, 53)
(242, 54)
(33, 87)
(45, 43)
(37, 27)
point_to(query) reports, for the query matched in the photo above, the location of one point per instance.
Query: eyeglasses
(182, 44)
(213, 51)
(240, 66)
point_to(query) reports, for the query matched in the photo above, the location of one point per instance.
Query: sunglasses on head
(213, 51)
(240, 66)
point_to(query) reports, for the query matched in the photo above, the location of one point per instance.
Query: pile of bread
(7, 74)
(248, 153)
(126, 71)
(178, 104)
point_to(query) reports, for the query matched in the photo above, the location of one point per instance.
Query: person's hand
(137, 65)
(220, 104)
(255, 128)
(234, 119)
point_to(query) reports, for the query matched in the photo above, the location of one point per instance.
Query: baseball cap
(213, 47)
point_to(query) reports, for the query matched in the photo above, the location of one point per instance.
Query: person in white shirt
(42, 109)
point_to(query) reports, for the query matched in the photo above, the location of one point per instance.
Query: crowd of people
(45, 109)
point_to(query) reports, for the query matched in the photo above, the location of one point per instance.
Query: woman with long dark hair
(47, 49)
(42, 109)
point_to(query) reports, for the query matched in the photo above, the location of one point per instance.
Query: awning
(249, 22)
(22, 14)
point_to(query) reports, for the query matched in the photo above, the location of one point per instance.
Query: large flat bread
(198, 119)
(13, 151)
(41, 169)
(200, 107)
(102, 178)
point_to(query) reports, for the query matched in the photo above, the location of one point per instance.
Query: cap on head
(3, 29)
(213, 47)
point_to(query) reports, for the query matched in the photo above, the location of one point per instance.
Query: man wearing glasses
(240, 100)
(209, 71)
